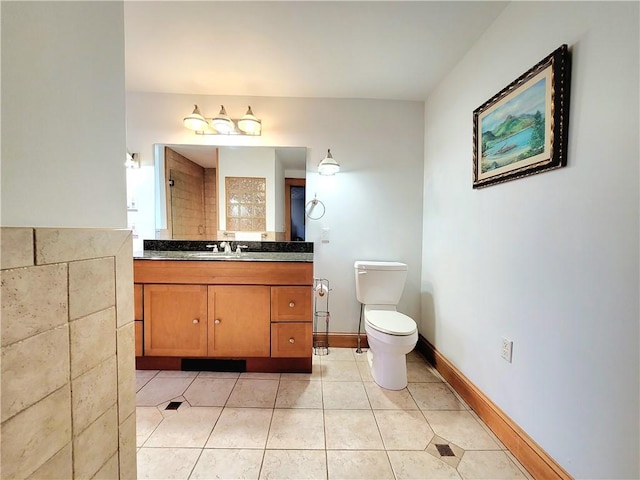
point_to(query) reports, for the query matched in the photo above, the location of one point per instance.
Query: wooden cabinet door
(239, 321)
(138, 335)
(175, 320)
(137, 301)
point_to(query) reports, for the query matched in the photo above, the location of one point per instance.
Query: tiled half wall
(68, 365)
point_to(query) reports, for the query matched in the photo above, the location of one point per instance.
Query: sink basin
(212, 255)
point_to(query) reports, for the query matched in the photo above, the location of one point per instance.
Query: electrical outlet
(507, 349)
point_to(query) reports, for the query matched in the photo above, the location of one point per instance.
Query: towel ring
(310, 206)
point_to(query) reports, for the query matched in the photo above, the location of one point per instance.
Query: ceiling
(336, 49)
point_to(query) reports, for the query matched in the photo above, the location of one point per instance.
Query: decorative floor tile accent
(173, 405)
(445, 450)
(448, 452)
(168, 412)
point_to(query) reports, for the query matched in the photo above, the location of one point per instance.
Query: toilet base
(388, 371)
(388, 356)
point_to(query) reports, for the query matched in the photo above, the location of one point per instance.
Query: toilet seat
(391, 322)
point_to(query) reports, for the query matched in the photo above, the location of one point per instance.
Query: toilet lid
(388, 321)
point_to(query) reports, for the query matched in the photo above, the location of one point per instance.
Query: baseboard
(347, 340)
(537, 462)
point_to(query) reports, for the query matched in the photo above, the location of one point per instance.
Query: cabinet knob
(291, 340)
(195, 320)
(216, 321)
(292, 304)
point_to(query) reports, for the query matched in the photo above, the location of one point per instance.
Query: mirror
(230, 193)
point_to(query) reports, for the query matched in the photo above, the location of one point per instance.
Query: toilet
(390, 334)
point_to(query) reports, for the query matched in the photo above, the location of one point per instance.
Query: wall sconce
(133, 160)
(222, 124)
(328, 166)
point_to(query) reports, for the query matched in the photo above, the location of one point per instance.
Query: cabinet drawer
(291, 339)
(291, 304)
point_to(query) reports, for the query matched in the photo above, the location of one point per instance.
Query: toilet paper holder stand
(321, 316)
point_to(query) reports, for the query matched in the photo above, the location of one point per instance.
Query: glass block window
(246, 204)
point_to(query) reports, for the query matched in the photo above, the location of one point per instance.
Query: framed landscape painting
(522, 130)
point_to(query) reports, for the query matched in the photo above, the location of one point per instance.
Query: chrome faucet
(214, 246)
(226, 246)
(238, 248)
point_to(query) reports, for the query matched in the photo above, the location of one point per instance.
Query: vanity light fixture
(195, 121)
(249, 123)
(222, 124)
(328, 166)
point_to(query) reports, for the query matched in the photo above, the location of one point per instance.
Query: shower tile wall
(68, 387)
(185, 199)
(210, 202)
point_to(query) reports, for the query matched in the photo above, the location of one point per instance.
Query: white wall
(278, 203)
(63, 112)
(373, 206)
(549, 261)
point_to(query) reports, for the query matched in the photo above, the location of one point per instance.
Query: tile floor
(334, 423)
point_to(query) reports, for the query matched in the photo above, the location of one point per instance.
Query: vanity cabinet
(227, 310)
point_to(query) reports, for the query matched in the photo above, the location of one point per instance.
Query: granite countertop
(234, 257)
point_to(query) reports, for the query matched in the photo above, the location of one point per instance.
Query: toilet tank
(379, 283)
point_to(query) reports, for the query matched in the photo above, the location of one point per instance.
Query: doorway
(294, 209)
